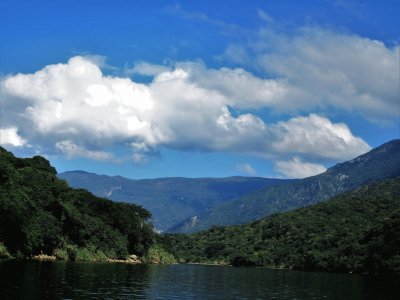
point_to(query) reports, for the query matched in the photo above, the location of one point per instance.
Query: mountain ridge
(356, 231)
(171, 199)
(380, 163)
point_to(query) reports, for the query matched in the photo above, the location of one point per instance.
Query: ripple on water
(44, 280)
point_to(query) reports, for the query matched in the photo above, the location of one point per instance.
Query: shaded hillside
(41, 213)
(380, 163)
(357, 231)
(170, 200)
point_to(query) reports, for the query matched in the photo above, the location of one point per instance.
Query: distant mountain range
(380, 163)
(170, 200)
(184, 205)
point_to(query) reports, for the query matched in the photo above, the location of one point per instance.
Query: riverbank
(132, 259)
(155, 255)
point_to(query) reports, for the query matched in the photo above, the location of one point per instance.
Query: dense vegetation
(358, 231)
(170, 200)
(40, 213)
(380, 163)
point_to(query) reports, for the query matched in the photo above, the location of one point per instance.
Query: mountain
(357, 231)
(380, 163)
(170, 200)
(40, 213)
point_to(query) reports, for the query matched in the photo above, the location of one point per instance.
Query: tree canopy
(357, 231)
(40, 213)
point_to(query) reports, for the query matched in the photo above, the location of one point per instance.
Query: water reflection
(65, 280)
(249, 283)
(62, 280)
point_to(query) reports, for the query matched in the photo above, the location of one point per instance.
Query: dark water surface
(63, 280)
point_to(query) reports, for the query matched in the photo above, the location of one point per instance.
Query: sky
(148, 89)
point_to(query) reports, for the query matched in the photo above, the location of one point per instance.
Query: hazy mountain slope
(380, 163)
(357, 231)
(170, 200)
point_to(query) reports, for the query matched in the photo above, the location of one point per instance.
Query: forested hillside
(380, 163)
(358, 231)
(40, 213)
(170, 200)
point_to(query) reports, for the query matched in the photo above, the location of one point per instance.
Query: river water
(68, 280)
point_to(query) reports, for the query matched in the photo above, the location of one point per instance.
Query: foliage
(357, 231)
(4, 252)
(40, 213)
(379, 164)
(171, 200)
(61, 254)
(383, 245)
(157, 255)
(90, 253)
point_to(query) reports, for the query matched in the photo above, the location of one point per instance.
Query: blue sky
(149, 89)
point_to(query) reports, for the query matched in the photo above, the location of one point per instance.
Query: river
(69, 280)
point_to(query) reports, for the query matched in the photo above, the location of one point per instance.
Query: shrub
(3, 251)
(157, 255)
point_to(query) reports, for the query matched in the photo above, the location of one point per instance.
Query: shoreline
(133, 259)
(207, 264)
(48, 258)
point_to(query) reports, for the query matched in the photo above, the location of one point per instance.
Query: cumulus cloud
(296, 168)
(9, 136)
(75, 109)
(246, 169)
(315, 136)
(241, 88)
(75, 102)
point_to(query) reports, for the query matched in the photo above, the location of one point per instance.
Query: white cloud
(241, 88)
(264, 16)
(246, 169)
(322, 69)
(236, 53)
(71, 150)
(296, 168)
(147, 69)
(75, 101)
(9, 136)
(75, 109)
(316, 136)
